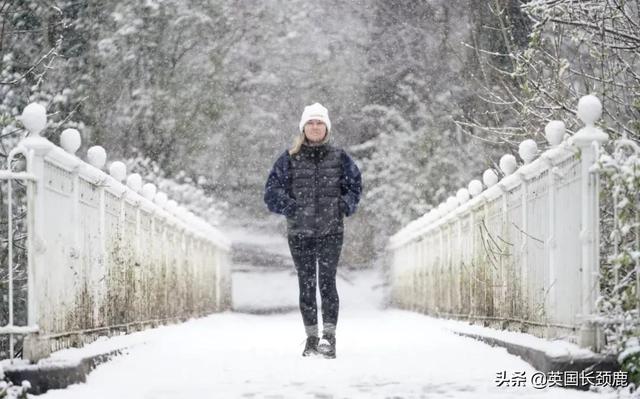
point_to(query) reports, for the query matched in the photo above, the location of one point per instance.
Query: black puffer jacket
(315, 187)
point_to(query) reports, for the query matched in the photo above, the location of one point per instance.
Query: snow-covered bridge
(112, 254)
(381, 353)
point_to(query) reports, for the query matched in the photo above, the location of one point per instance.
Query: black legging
(326, 251)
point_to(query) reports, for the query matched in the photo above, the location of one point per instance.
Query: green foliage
(631, 364)
(630, 360)
(10, 391)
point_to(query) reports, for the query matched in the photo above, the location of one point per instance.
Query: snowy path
(381, 354)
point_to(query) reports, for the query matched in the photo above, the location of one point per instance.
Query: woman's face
(315, 130)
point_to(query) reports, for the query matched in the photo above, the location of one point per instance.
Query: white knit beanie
(315, 111)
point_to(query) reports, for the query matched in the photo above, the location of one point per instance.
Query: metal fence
(103, 258)
(521, 254)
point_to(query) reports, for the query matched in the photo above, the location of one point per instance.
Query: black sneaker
(327, 346)
(311, 347)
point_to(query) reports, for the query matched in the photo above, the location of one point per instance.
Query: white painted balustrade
(104, 256)
(522, 253)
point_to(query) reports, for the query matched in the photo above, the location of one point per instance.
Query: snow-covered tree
(573, 48)
(414, 155)
(290, 54)
(619, 302)
(155, 71)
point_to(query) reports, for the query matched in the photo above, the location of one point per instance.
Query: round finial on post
(160, 199)
(431, 215)
(452, 203)
(149, 191)
(589, 109)
(508, 164)
(489, 177)
(34, 118)
(134, 182)
(171, 206)
(528, 150)
(462, 195)
(97, 156)
(554, 132)
(118, 171)
(475, 187)
(70, 140)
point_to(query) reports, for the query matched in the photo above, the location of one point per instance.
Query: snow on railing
(522, 252)
(103, 256)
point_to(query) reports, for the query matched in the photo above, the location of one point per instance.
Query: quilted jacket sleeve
(276, 191)
(351, 184)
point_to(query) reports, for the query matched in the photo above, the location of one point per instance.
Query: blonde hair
(300, 140)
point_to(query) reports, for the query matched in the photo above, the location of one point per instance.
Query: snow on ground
(264, 291)
(555, 348)
(381, 354)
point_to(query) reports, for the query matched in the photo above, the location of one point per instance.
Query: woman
(315, 185)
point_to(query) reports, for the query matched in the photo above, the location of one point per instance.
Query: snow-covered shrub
(629, 360)
(10, 391)
(619, 303)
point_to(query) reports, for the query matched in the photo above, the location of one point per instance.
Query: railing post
(551, 247)
(440, 272)
(37, 147)
(430, 285)
(76, 250)
(421, 270)
(218, 271)
(100, 279)
(449, 266)
(119, 273)
(524, 251)
(589, 111)
(164, 258)
(485, 217)
(153, 266)
(471, 265)
(396, 270)
(421, 274)
(137, 268)
(414, 275)
(508, 297)
(459, 267)
(75, 258)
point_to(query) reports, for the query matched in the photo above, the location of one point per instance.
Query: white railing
(101, 257)
(522, 252)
